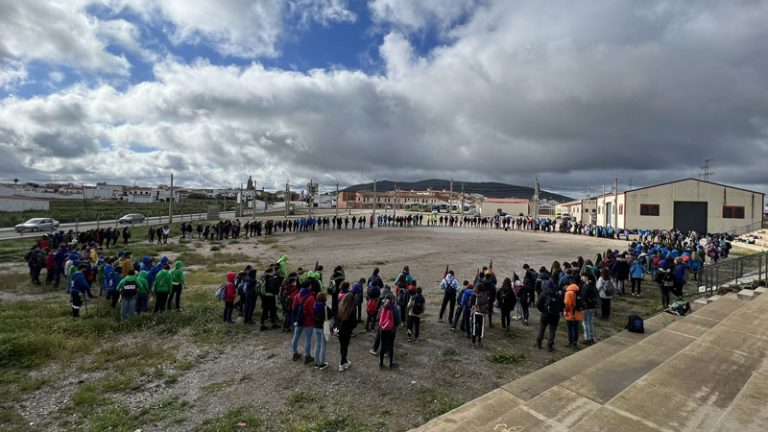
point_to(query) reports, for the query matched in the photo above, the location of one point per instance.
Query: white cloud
(575, 95)
(57, 32)
(12, 73)
(410, 15)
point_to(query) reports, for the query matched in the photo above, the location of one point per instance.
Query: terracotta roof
(506, 200)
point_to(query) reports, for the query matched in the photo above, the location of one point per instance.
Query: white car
(131, 218)
(37, 224)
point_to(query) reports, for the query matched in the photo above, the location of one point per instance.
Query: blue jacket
(637, 271)
(465, 298)
(680, 273)
(79, 284)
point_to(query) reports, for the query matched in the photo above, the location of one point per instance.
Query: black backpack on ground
(635, 324)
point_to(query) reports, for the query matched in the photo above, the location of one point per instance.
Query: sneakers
(322, 366)
(308, 359)
(345, 366)
(296, 356)
(373, 352)
(393, 366)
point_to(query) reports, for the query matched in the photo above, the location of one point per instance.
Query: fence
(731, 273)
(747, 229)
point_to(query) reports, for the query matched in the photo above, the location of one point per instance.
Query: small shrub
(450, 352)
(300, 398)
(501, 356)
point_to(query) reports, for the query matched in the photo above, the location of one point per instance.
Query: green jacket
(177, 274)
(129, 278)
(281, 262)
(143, 283)
(162, 282)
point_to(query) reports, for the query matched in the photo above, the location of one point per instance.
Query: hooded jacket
(230, 291)
(620, 269)
(570, 312)
(143, 284)
(177, 274)
(162, 282)
(449, 283)
(636, 270)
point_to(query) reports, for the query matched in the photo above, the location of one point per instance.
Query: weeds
(435, 401)
(502, 356)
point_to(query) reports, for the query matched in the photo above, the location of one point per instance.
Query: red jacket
(309, 308)
(230, 291)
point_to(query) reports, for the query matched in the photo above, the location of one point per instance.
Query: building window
(649, 209)
(733, 212)
(621, 209)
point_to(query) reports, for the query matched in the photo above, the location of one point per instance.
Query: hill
(487, 189)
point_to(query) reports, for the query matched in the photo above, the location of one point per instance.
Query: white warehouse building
(688, 204)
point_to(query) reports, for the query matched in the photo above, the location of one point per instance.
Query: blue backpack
(635, 324)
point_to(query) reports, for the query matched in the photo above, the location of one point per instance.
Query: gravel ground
(443, 370)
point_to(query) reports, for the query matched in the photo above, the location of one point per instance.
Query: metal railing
(732, 273)
(757, 226)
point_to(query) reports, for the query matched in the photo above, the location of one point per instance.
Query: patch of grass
(139, 356)
(172, 379)
(170, 409)
(28, 350)
(502, 356)
(215, 248)
(239, 419)
(89, 395)
(300, 399)
(435, 401)
(450, 352)
(217, 386)
(654, 306)
(268, 240)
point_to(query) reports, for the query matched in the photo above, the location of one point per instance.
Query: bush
(501, 356)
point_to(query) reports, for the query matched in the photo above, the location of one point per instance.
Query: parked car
(37, 224)
(131, 218)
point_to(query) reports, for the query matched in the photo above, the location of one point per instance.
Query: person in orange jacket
(573, 313)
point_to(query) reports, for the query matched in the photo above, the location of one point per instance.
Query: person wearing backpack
(666, 281)
(334, 288)
(459, 310)
(636, 272)
(230, 293)
(415, 308)
(573, 313)
(357, 292)
(591, 300)
(466, 310)
(303, 307)
(450, 287)
(372, 305)
(389, 320)
(479, 305)
(128, 289)
(606, 290)
(346, 321)
(77, 288)
(269, 299)
(507, 301)
(321, 314)
(550, 305)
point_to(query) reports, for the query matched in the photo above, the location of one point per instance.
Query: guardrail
(731, 273)
(757, 226)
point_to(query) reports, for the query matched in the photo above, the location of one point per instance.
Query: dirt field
(216, 377)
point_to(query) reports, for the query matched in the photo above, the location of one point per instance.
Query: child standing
(415, 309)
(230, 293)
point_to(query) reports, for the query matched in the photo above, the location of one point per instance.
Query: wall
(715, 195)
(19, 205)
(513, 209)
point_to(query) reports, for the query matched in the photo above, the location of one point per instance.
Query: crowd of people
(299, 303)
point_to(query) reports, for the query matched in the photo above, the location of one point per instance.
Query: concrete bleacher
(703, 372)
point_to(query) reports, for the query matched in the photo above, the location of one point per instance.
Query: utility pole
(85, 203)
(240, 206)
(394, 207)
(311, 200)
(536, 200)
(605, 215)
(462, 199)
(170, 203)
(337, 200)
(616, 203)
(450, 199)
(706, 173)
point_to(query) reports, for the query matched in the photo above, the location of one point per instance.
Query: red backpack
(387, 319)
(373, 304)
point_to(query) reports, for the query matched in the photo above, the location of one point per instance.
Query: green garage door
(691, 216)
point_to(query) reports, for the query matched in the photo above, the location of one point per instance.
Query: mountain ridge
(487, 189)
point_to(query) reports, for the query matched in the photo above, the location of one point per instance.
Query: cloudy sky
(576, 93)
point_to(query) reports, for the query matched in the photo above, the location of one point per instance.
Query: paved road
(10, 233)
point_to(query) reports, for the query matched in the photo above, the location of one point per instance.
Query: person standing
(606, 290)
(142, 297)
(303, 307)
(636, 272)
(389, 321)
(128, 289)
(77, 288)
(573, 313)
(334, 288)
(269, 299)
(415, 308)
(479, 304)
(322, 313)
(162, 288)
(507, 301)
(230, 292)
(550, 305)
(252, 289)
(346, 322)
(450, 287)
(620, 271)
(591, 301)
(177, 284)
